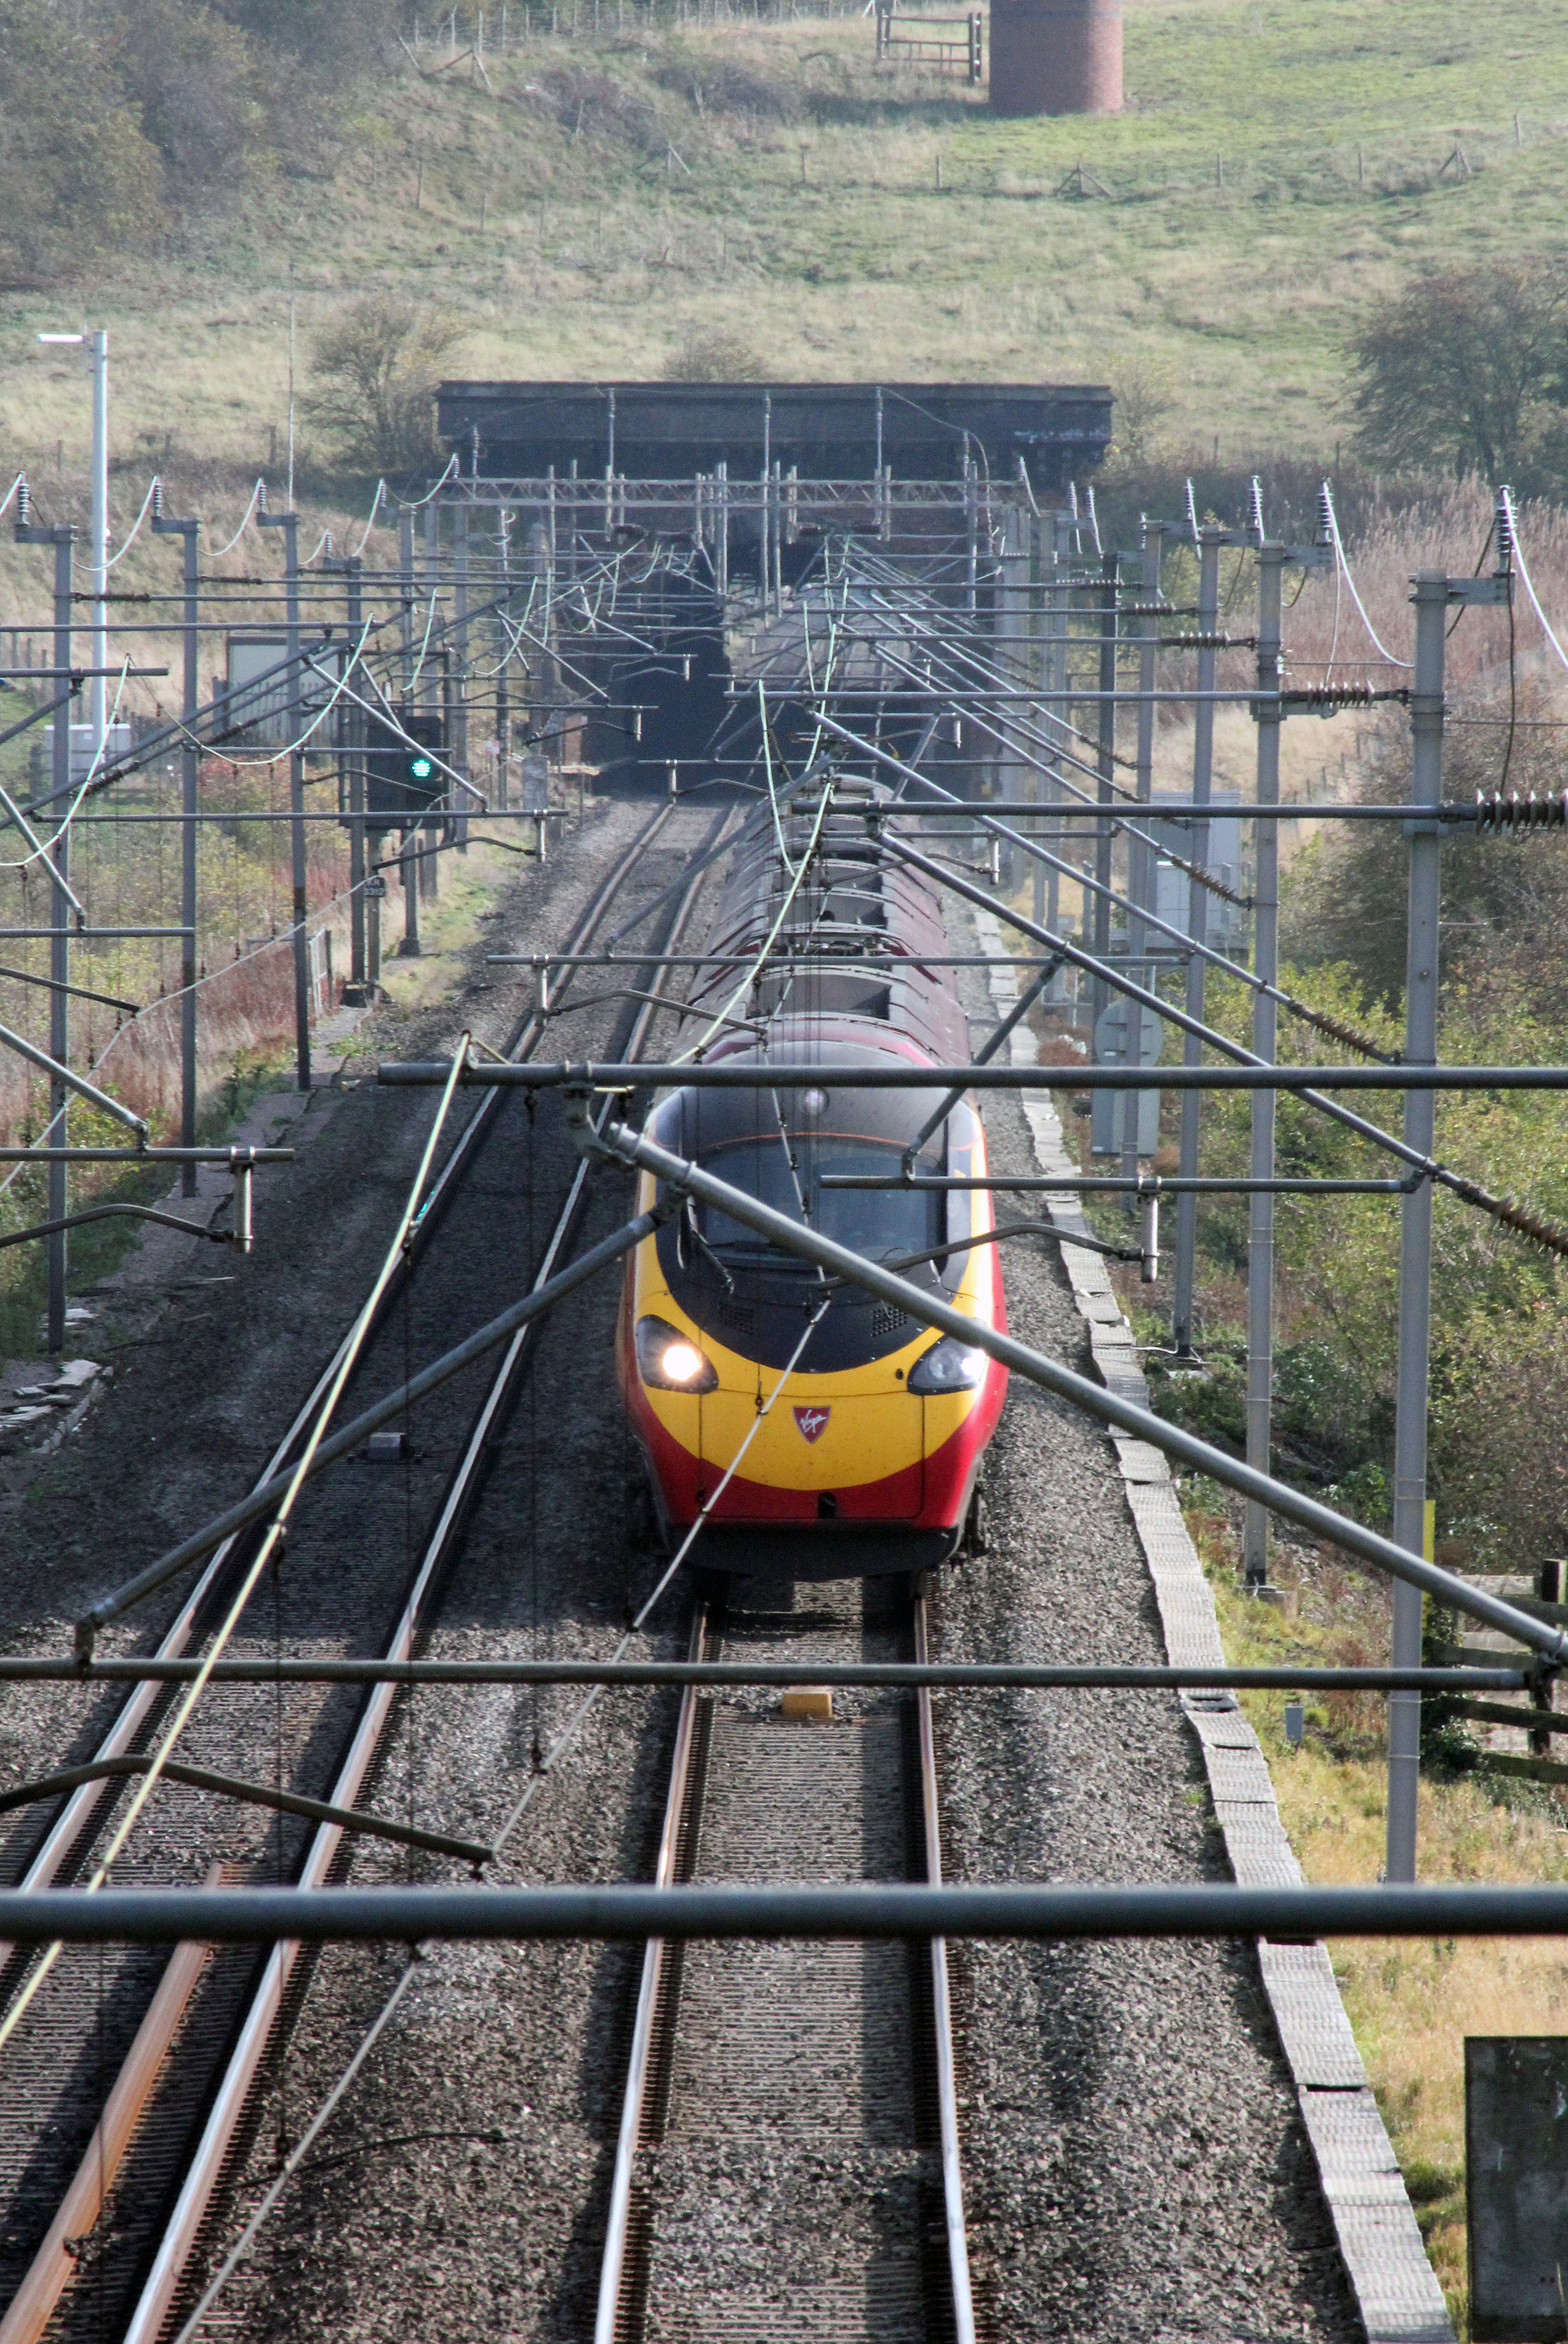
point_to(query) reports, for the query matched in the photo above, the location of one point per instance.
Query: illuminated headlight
(949, 1366)
(669, 1360)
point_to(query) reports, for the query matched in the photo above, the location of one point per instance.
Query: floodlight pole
(288, 523)
(98, 549)
(188, 531)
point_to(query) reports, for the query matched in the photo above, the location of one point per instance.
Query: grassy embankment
(804, 215)
(1412, 2004)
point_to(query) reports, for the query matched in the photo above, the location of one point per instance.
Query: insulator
(1324, 534)
(1191, 513)
(1329, 695)
(1502, 526)
(1255, 523)
(1513, 812)
(157, 500)
(23, 500)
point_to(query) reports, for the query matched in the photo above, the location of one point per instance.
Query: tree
(1465, 370)
(375, 368)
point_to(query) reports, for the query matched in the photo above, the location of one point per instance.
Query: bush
(713, 354)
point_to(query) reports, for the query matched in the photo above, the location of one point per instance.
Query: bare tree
(1465, 371)
(1144, 398)
(374, 371)
(713, 354)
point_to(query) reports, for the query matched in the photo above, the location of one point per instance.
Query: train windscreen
(883, 1224)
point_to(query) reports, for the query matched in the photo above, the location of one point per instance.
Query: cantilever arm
(256, 1794)
(112, 1213)
(72, 1082)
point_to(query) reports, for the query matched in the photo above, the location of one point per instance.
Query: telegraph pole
(189, 530)
(288, 523)
(351, 786)
(1210, 541)
(1433, 595)
(63, 538)
(1271, 560)
(1141, 867)
(1106, 767)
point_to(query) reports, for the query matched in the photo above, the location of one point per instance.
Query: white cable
(276, 756)
(216, 553)
(752, 973)
(1339, 557)
(146, 500)
(1507, 496)
(324, 539)
(11, 490)
(375, 508)
(412, 504)
(768, 770)
(65, 823)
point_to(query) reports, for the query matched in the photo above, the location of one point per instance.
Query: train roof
(853, 945)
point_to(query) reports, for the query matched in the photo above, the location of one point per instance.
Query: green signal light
(420, 769)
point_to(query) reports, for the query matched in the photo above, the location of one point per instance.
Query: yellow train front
(863, 1456)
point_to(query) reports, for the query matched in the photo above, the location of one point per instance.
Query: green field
(804, 215)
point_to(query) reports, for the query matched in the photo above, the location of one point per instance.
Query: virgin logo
(813, 1421)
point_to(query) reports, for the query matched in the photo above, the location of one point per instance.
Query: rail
(54, 2268)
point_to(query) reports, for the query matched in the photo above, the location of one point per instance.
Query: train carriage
(867, 1459)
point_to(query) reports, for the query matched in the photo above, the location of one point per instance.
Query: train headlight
(669, 1360)
(949, 1366)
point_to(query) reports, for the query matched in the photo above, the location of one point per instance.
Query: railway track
(787, 2163)
(121, 2252)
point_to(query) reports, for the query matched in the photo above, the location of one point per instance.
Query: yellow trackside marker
(813, 1704)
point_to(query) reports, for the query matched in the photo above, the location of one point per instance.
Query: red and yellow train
(867, 1455)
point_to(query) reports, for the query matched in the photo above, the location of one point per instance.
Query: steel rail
(246, 2063)
(608, 2314)
(55, 2265)
(590, 1913)
(79, 1813)
(234, 1600)
(942, 2011)
(396, 1403)
(88, 1804)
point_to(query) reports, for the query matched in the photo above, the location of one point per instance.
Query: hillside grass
(1410, 2002)
(803, 214)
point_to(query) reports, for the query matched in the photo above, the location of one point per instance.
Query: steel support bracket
(1498, 588)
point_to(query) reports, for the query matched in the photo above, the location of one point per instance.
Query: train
(867, 1459)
